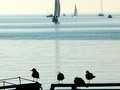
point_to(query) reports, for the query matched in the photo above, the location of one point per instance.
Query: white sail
(75, 11)
(57, 8)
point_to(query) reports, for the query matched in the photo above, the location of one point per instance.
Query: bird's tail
(41, 88)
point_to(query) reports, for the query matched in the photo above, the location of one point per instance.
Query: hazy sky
(47, 6)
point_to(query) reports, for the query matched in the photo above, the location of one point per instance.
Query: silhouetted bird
(60, 77)
(89, 76)
(35, 74)
(79, 81)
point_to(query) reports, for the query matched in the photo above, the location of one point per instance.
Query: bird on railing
(35, 74)
(60, 77)
(79, 81)
(89, 76)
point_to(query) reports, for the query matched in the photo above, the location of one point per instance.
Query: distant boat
(64, 14)
(75, 11)
(50, 15)
(109, 16)
(101, 14)
(56, 11)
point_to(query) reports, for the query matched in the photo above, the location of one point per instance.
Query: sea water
(72, 46)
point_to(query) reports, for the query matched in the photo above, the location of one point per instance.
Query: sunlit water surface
(76, 44)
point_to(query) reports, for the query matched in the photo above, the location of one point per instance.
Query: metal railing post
(19, 80)
(4, 84)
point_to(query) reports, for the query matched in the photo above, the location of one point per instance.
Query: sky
(11, 7)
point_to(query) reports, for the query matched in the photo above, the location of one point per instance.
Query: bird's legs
(89, 82)
(61, 81)
(33, 80)
(36, 79)
(58, 82)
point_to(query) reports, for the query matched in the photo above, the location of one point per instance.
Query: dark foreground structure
(97, 86)
(31, 86)
(26, 86)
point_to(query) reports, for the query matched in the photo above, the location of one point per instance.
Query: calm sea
(76, 44)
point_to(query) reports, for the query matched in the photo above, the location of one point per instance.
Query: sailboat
(75, 11)
(56, 11)
(101, 14)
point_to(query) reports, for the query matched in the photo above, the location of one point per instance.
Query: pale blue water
(85, 42)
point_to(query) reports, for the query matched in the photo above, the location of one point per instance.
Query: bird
(60, 77)
(35, 74)
(79, 81)
(89, 76)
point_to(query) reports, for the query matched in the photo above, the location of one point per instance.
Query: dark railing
(99, 86)
(37, 86)
(33, 85)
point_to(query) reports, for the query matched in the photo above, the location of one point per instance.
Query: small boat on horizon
(50, 15)
(101, 14)
(110, 16)
(64, 14)
(56, 11)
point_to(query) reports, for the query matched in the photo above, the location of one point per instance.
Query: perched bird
(60, 77)
(79, 81)
(35, 74)
(89, 76)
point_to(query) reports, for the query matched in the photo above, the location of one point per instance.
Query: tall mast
(101, 7)
(101, 12)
